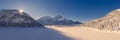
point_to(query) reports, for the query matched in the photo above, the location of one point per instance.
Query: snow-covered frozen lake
(31, 34)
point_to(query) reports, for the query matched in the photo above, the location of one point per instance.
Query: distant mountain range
(111, 21)
(57, 20)
(15, 18)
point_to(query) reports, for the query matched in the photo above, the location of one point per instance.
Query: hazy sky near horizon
(79, 10)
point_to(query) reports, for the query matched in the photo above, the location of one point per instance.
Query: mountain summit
(111, 21)
(57, 20)
(13, 18)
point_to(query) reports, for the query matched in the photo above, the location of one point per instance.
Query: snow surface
(31, 34)
(57, 33)
(86, 33)
(118, 9)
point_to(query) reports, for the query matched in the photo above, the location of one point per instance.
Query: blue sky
(78, 10)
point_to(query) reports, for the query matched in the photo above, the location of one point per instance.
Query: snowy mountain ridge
(16, 18)
(57, 20)
(111, 21)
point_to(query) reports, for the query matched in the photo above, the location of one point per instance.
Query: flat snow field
(85, 33)
(57, 33)
(31, 34)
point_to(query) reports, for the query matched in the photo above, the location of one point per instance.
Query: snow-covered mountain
(111, 21)
(57, 20)
(15, 18)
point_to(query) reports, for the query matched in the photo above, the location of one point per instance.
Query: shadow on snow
(31, 34)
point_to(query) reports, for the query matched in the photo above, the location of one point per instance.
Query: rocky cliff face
(111, 21)
(14, 18)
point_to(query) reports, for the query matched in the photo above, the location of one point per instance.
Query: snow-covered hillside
(15, 18)
(109, 22)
